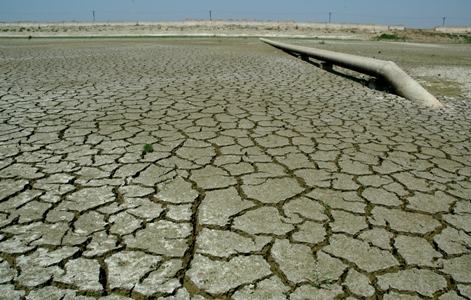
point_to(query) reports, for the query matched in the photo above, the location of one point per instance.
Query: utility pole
(93, 16)
(210, 16)
(330, 14)
(443, 24)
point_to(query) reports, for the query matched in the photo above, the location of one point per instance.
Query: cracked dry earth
(270, 178)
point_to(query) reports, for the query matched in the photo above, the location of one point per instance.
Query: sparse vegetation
(166, 182)
(148, 148)
(390, 37)
(326, 208)
(320, 279)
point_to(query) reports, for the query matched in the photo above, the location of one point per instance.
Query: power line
(43, 13)
(332, 13)
(388, 17)
(101, 11)
(269, 13)
(154, 12)
(233, 12)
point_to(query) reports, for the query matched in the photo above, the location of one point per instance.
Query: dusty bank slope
(230, 28)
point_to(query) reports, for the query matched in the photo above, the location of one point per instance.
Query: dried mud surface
(269, 177)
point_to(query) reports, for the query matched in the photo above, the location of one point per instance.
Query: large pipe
(402, 83)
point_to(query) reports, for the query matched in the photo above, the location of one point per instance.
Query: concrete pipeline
(402, 83)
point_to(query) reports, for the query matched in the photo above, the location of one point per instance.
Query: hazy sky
(410, 13)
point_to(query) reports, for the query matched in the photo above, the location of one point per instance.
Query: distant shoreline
(195, 29)
(244, 23)
(215, 23)
(233, 28)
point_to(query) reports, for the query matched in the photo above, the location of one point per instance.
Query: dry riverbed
(264, 177)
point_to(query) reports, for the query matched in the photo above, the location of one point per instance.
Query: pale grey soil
(269, 177)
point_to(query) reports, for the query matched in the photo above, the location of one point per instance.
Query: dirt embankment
(426, 36)
(221, 28)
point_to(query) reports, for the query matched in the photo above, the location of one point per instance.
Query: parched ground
(269, 177)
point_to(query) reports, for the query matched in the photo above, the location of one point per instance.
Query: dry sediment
(269, 177)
